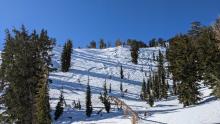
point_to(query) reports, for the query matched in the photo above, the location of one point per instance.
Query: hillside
(104, 65)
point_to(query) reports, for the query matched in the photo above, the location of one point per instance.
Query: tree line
(130, 42)
(26, 63)
(194, 60)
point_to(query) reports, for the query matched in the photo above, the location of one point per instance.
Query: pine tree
(183, 59)
(59, 107)
(105, 99)
(66, 56)
(121, 87)
(88, 101)
(64, 59)
(144, 90)
(156, 87)
(102, 44)
(151, 99)
(134, 53)
(149, 86)
(25, 67)
(121, 73)
(161, 74)
(69, 46)
(92, 44)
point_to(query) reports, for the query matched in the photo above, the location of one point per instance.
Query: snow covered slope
(104, 65)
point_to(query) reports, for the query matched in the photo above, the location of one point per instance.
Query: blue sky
(86, 20)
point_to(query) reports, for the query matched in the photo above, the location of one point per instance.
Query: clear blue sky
(86, 20)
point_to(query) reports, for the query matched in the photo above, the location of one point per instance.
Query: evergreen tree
(149, 86)
(184, 60)
(134, 53)
(121, 73)
(66, 56)
(102, 44)
(161, 74)
(88, 101)
(153, 42)
(144, 90)
(25, 69)
(69, 46)
(92, 44)
(64, 59)
(151, 99)
(59, 107)
(121, 89)
(156, 87)
(105, 99)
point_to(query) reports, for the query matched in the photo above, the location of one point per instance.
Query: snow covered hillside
(104, 65)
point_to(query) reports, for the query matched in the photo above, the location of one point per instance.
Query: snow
(98, 66)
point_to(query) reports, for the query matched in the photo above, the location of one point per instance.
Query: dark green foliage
(105, 100)
(77, 105)
(144, 90)
(156, 86)
(88, 101)
(121, 73)
(161, 74)
(92, 44)
(149, 85)
(134, 53)
(157, 42)
(102, 44)
(191, 58)
(151, 100)
(153, 43)
(121, 87)
(26, 61)
(59, 107)
(139, 44)
(66, 56)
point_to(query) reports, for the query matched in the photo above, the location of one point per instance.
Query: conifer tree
(184, 60)
(66, 56)
(134, 53)
(25, 68)
(69, 47)
(151, 99)
(156, 87)
(92, 44)
(144, 90)
(161, 74)
(121, 73)
(88, 101)
(64, 59)
(121, 87)
(105, 99)
(59, 107)
(149, 86)
(102, 44)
